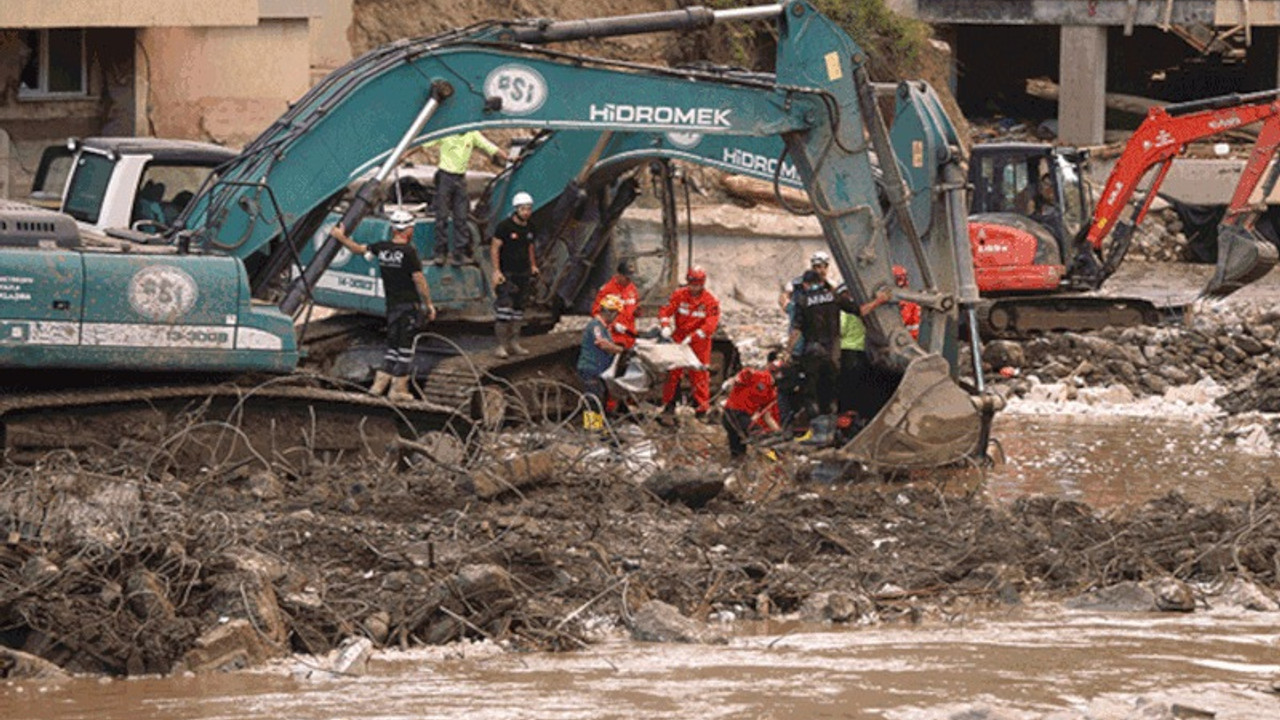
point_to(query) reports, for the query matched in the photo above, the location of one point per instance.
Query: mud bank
(115, 565)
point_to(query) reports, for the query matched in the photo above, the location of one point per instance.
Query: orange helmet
(612, 302)
(696, 275)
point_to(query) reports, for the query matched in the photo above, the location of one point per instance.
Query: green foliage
(894, 43)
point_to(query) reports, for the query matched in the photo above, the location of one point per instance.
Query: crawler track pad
(929, 421)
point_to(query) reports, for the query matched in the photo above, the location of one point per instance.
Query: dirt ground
(119, 563)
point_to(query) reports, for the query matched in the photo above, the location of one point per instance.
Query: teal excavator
(193, 303)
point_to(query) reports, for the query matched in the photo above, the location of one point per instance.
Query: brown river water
(1029, 662)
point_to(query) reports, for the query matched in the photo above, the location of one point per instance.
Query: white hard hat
(522, 198)
(400, 219)
(820, 257)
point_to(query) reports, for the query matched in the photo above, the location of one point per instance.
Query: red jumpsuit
(754, 393)
(694, 317)
(911, 317)
(623, 330)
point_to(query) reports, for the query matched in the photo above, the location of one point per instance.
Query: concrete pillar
(5, 159)
(1082, 73)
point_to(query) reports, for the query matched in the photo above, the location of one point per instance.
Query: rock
(1250, 345)
(1175, 374)
(837, 607)
(984, 713)
(519, 471)
(146, 597)
(999, 353)
(1123, 597)
(1247, 595)
(1110, 395)
(1173, 595)
(264, 485)
(657, 621)
(691, 487)
(352, 656)
(378, 626)
(232, 646)
(17, 665)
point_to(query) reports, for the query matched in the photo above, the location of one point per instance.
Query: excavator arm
(1243, 256)
(821, 103)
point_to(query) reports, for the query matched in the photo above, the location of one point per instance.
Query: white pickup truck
(124, 183)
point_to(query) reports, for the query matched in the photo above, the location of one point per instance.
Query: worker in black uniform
(408, 301)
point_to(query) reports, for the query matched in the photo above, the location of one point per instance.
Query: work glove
(666, 332)
(687, 339)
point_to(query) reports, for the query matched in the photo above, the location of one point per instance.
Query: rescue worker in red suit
(691, 317)
(910, 311)
(623, 329)
(752, 407)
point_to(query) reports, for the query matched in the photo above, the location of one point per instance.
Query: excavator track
(294, 419)
(1015, 318)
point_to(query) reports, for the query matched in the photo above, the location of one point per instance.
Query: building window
(56, 66)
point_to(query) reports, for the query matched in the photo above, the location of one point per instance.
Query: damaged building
(1164, 50)
(210, 71)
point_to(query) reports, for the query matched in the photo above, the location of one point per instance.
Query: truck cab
(124, 184)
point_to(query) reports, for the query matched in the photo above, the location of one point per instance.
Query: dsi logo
(522, 89)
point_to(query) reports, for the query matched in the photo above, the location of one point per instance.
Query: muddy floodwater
(1110, 461)
(1032, 662)
(1026, 661)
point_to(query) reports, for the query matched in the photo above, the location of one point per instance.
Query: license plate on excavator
(929, 421)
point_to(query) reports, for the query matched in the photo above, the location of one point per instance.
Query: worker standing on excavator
(691, 317)
(623, 329)
(408, 300)
(452, 205)
(514, 267)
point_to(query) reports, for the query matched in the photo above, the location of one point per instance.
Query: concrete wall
(133, 13)
(222, 84)
(330, 38)
(33, 124)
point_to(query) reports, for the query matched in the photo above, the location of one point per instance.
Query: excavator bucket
(1243, 256)
(928, 422)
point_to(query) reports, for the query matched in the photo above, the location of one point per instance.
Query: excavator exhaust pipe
(1243, 257)
(929, 421)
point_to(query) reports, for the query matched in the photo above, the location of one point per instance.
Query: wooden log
(761, 191)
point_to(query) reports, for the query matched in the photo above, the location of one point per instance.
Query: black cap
(810, 276)
(627, 267)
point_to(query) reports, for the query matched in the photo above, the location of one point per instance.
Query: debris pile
(111, 564)
(1227, 348)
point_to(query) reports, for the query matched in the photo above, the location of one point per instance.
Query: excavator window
(88, 187)
(164, 191)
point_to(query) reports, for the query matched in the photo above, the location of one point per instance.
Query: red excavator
(1033, 228)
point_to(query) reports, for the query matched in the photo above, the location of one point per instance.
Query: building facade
(218, 72)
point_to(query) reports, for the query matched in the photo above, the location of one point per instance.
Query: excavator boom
(1243, 255)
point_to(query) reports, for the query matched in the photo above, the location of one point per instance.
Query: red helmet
(899, 274)
(696, 275)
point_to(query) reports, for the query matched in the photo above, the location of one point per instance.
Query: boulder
(1001, 353)
(1173, 595)
(838, 607)
(657, 621)
(234, 645)
(1124, 597)
(1244, 594)
(16, 665)
(690, 487)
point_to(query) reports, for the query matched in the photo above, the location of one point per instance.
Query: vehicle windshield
(51, 176)
(88, 187)
(1076, 205)
(165, 190)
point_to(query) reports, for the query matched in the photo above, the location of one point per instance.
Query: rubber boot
(381, 381)
(823, 430)
(515, 345)
(502, 331)
(400, 390)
